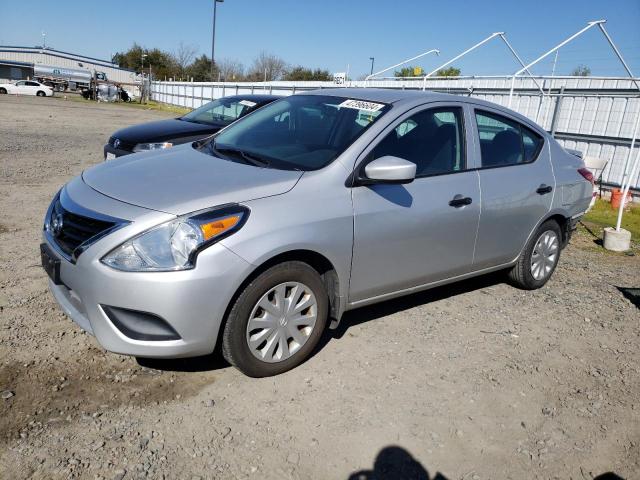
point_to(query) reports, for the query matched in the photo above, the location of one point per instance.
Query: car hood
(164, 130)
(182, 180)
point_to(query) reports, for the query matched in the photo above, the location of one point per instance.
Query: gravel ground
(472, 381)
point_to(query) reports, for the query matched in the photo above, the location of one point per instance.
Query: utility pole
(44, 40)
(142, 86)
(213, 36)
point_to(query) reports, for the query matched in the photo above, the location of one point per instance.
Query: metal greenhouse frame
(629, 170)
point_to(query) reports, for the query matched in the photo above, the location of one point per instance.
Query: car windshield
(220, 112)
(300, 132)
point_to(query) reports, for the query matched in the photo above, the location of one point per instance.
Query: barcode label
(362, 105)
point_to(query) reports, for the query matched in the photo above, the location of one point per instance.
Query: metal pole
(424, 82)
(504, 39)
(372, 60)
(213, 36)
(553, 72)
(625, 191)
(546, 54)
(436, 51)
(626, 180)
(556, 112)
(618, 54)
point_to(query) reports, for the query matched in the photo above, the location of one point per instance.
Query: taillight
(586, 173)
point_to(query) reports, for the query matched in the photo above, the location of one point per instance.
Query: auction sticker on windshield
(362, 105)
(247, 103)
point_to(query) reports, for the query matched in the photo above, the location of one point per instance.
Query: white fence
(594, 115)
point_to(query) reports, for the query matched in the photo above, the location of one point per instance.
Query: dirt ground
(472, 381)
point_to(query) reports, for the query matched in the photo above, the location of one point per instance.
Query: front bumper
(193, 302)
(115, 151)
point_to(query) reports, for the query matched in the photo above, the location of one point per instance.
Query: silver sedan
(260, 237)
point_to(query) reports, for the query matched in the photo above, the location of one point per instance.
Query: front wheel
(277, 320)
(40, 93)
(539, 258)
(3, 91)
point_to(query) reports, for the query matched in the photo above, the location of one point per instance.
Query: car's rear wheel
(276, 321)
(539, 259)
(40, 93)
(3, 91)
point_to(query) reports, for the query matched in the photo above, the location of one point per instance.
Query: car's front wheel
(276, 321)
(40, 93)
(539, 259)
(3, 91)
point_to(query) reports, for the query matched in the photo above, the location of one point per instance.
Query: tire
(40, 93)
(295, 282)
(3, 91)
(545, 244)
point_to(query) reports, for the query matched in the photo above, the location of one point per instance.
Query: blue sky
(334, 33)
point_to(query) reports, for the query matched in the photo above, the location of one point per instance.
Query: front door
(414, 234)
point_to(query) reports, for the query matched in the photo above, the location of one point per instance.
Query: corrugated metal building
(47, 56)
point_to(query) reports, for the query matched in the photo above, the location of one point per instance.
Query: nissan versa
(201, 122)
(315, 204)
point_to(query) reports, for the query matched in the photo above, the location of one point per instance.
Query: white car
(27, 87)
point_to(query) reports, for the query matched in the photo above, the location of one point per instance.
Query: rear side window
(504, 142)
(532, 143)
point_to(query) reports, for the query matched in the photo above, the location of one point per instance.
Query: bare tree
(581, 71)
(184, 56)
(267, 67)
(230, 70)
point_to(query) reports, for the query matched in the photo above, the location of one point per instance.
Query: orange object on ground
(616, 198)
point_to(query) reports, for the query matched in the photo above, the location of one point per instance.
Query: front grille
(75, 229)
(128, 146)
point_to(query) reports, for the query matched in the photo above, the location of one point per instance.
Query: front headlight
(142, 147)
(175, 244)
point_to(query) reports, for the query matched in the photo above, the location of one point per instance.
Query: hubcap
(545, 255)
(281, 322)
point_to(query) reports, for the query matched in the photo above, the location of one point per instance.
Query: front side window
(432, 139)
(504, 142)
(220, 112)
(302, 132)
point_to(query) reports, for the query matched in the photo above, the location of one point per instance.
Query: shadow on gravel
(631, 294)
(383, 309)
(205, 363)
(395, 463)
(215, 361)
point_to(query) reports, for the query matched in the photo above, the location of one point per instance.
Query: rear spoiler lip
(575, 153)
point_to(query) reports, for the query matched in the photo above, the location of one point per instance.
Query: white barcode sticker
(362, 105)
(247, 103)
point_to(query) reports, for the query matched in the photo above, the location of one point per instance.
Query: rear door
(31, 88)
(421, 232)
(517, 185)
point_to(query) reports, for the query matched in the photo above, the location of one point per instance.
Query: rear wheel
(40, 93)
(277, 320)
(539, 259)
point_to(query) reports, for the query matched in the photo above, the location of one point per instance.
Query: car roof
(256, 97)
(410, 98)
(384, 95)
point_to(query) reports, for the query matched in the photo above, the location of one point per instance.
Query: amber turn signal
(218, 226)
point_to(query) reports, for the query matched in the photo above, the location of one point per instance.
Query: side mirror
(389, 169)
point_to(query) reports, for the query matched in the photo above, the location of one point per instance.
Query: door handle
(544, 189)
(460, 201)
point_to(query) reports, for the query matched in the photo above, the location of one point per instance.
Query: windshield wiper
(250, 158)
